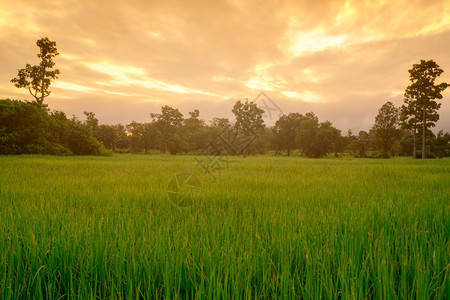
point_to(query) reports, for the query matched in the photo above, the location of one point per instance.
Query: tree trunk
(414, 138)
(289, 152)
(424, 128)
(42, 87)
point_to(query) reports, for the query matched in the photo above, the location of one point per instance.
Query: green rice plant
(268, 227)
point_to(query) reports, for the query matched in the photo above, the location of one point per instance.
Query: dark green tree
(422, 93)
(385, 130)
(169, 123)
(37, 78)
(362, 143)
(249, 121)
(285, 131)
(307, 133)
(151, 136)
(107, 134)
(195, 132)
(135, 132)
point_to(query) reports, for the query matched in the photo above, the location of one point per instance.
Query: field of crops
(268, 227)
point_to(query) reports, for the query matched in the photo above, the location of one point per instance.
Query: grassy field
(268, 227)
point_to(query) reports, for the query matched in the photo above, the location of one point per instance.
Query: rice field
(267, 227)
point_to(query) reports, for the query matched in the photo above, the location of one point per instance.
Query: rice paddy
(267, 227)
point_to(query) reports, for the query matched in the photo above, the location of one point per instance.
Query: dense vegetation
(269, 227)
(31, 128)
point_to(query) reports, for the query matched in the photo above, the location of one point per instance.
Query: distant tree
(422, 94)
(249, 121)
(81, 140)
(107, 134)
(135, 132)
(326, 140)
(92, 123)
(37, 78)
(385, 129)
(169, 122)
(121, 142)
(362, 143)
(332, 136)
(150, 135)
(442, 144)
(307, 133)
(195, 132)
(285, 132)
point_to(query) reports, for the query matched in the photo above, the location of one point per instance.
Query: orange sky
(124, 59)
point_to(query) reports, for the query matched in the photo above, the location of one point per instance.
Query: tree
(285, 132)
(169, 121)
(195, 132)
(107, 134)
(410, 119)
(307, 133)
(150, 135)
(135, 132)
(442, 144)
(249, 121)
(422, 93)
(361, 144)
(385, 128)
(37, 78)
(323, 139)
(92, 123)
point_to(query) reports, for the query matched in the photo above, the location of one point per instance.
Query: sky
(122, 60)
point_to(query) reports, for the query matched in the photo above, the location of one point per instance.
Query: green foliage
(27, 128)
(37, 78)
(169, 123)
(285, 132)
(271, 228)
(249, 122)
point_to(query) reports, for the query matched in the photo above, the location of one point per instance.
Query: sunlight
(131, 76)
(441, 25)
(263, 80)
(305, 96)
(316, 40)
(72, 87)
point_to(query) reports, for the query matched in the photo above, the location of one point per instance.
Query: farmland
(267, 227)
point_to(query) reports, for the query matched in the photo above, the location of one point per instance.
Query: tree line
(30, 127)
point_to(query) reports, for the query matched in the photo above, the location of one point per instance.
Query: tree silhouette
(37, 78)
(420, 96)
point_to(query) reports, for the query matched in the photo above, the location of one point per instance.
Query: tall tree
(37, 78)
(249, 121)
(385, 129)
(423, 93)
(410, 119)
